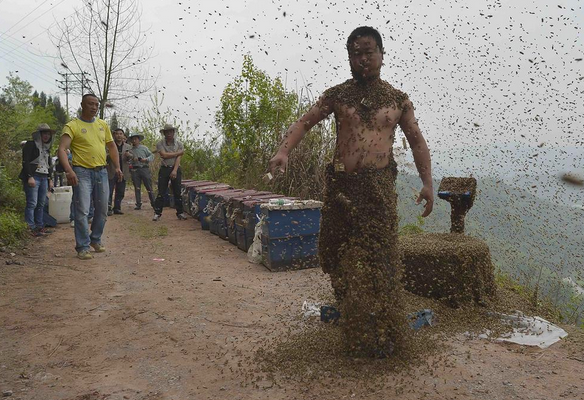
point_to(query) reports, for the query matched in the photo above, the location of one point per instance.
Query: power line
(30, 66)
(28, 61)
(34, 37)
(18, 44)
(38, 76)
(20, 20)
(42, 15)
(69, 85)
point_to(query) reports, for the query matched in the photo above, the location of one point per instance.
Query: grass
(140, 228)
(13, 230)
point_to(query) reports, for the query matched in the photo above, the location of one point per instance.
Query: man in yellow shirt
(87, 137)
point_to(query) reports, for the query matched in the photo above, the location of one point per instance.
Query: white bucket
(60, 203)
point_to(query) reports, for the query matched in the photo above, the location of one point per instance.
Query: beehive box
(450, 267)
(222, 219)
(196, 199)
(214, 211)
(202, 200)
(290, 235)
(234, 212)
(187, 198)
(245, 223)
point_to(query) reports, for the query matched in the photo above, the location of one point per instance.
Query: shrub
(12, 228)
(12, 196)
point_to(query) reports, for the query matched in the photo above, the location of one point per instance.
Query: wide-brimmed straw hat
(133, 135)
(167, 127)
(45, 128)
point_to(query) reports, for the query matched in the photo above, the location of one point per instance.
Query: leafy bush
(12, 228)
(12, 196)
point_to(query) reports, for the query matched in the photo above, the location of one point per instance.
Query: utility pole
(73, 82)
(66, 89)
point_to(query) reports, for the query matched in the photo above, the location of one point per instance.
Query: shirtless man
(358, 241)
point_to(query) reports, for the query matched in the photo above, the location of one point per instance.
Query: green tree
(21, 117)
(59, 112)
(114, 122)
(255, 110)
(18, 119)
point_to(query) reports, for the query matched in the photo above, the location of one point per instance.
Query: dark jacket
(111, 171)
(30, 155)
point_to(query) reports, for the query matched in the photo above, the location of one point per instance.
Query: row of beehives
(287, 228)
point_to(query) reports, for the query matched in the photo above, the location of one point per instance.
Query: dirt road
(172, 312)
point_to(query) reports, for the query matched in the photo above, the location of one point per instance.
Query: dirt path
(124, 326)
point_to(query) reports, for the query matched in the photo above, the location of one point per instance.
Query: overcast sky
(480, 73)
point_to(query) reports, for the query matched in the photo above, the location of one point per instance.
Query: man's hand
(31, 182)
(278, 163)
(72, 178)
(120, 175)
(173, 174)
(51, 184)
(427, 193)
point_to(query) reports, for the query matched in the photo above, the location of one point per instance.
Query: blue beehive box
(290, 234)
(234, 212)
(222, 215)
(214, 209)
(245, 227)
(202, 199)
(195, 198)
(187, 197)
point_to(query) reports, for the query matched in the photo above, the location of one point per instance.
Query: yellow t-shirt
(88, 140)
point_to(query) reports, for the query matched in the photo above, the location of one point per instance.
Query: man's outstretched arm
(296, 132)
(421, 155)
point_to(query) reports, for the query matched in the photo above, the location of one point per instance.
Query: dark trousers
(163, 179)
(120, 188)
(142, 176)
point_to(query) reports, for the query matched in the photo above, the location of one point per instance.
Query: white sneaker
(156, 217)
(182, 216)
(72, 223)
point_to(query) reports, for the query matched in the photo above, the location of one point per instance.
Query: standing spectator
(140, 157)
(171, 151)
(37, 169)
(88, 137)
(72, 207)
(114, 183)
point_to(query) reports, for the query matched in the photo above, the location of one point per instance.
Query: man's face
(46, 136)
(365, 58)
(90, 105)
(169, 134)
(118, 136)
(135, 140)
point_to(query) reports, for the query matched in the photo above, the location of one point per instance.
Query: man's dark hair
(120, 129)
(365, 31)
(89, 95)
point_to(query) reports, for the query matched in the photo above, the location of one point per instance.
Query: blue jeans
(72, 210)
(35, 201)
(93, 185)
